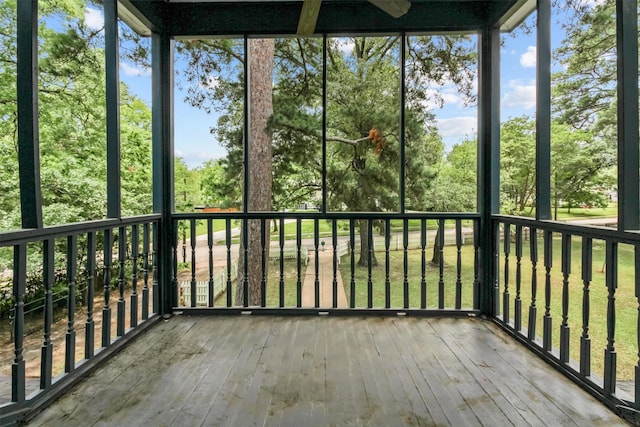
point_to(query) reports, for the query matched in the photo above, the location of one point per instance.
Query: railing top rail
(15, 237)
(328, 215)
(593, 231)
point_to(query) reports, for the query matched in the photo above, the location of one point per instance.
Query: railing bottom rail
(319, 311)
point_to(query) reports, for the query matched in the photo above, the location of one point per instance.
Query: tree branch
(353, 142)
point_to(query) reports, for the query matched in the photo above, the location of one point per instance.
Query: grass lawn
(414, 279)
(610, 211)
(626, 316)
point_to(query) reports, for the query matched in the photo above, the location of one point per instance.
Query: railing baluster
(506, 311)
(423, 263)
(122, 244)
(192, 243)
(145, 267)
(154, 274)
(585, 339)
(566, 271)
(174, 281)
(48, 267)
(133, 311)
(441, 263)
(387, 283)
(476, 264)
(458, 264)
(228, 243)
(263, 262)
(246, 230)
(281, 242)
(72, 270)
(636, 252)
(610, 355)
(352, 254)
(18, 371)
(517, 318)
(316, 269)
(211, 285)
(405, 254)
(495, 260)
(144, 306)
(533, 256)
(547, 319)
(369, 263)
(299, 258)
(89, 330)
(334, 282)
(106, 310)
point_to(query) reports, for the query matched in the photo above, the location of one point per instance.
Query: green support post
(488, 189)
(162, 147)
(27, 106)
(628, 141)
(113, 108)
(543, 113)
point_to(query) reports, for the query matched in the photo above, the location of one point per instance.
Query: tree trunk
(260, 58)
(435, 258)
(363, 261)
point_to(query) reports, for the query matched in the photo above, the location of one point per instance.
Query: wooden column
(488, 189)
(112, 61)
(628, 164)
(27, 96)
(162, 147)
(543, 113)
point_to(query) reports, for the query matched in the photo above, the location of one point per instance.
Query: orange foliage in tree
(377, 139)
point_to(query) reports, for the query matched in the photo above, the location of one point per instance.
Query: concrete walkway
(325, 279)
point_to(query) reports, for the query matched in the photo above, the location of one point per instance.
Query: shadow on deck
(317, 371)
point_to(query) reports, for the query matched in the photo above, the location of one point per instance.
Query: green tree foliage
(216, 188)
(187, 190)
(363, 134)
(517, 164)
(581, 166)
(454, 189)
(579, 170)
(584, 93)
(72, 121)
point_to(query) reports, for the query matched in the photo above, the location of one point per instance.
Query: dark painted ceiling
(214, 17)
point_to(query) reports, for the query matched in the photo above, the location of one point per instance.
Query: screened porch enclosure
(413, 316)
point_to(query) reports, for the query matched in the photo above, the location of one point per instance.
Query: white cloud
(93, 18)
(193, 159)
(528, 59)
(130, 70)
(520, 95)
(457, 126)
(450, 98)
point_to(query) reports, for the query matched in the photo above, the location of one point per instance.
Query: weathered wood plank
(342, 371)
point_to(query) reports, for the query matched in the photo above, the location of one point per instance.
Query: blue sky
(195, 144)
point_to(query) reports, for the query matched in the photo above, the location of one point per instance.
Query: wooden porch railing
(414, 263)
(75, 295)
(571, 293)
(568, 292)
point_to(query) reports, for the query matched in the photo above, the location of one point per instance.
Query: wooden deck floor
(320, 371)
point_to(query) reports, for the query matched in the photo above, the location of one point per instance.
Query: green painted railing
(571, 293)
(72, 295)
(418, 263)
